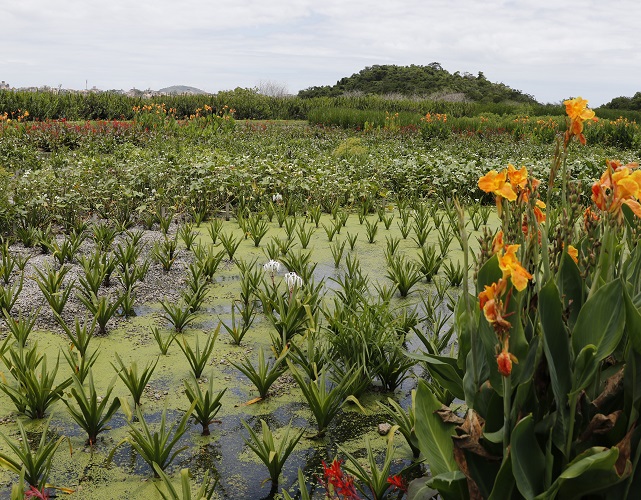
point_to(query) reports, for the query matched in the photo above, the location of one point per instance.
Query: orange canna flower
(578, 112)
(577, 109)
(504, 361)
(518, 178)
(619, 184)
(511, 267)
(497, 243)
(574, 253)
(495, 182)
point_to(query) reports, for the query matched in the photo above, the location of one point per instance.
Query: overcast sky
(551, 49)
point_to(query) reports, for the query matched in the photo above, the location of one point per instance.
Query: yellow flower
(510, 265)
(578, 112)
(495, 182)
(574, 253)
(518, 178)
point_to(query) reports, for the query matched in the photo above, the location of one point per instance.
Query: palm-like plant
(155, 446)
(178, 315)
(207, 402)
(324, 402)
(33, 464)
(91, 413)
(198, 359)
(272, 455)
(265, 374)
(135, 383)
(205, 492)
(34, 392)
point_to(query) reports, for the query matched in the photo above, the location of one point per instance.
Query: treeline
(626, 103)
(431, 81)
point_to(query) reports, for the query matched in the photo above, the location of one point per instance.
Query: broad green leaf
(601, 321)
(585, 367)
(433, 435)
(528, 461)
(633, 321)
(419, 490)
(504, 483)
(451, 485)
(445, 371)
(591, 473)
(571, 287)
(556, 343)
(488, 274)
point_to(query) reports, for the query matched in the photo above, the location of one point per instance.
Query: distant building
(4, 85)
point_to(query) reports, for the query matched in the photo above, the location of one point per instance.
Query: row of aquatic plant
(315, 356)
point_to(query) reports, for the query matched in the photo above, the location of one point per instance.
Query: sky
(550, 49)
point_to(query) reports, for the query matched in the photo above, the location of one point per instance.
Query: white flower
(277, 197)
(293, 280)
(273, 266)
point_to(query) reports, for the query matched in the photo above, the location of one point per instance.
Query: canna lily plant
(549, 347)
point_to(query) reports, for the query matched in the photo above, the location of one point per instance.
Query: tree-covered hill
(431, 81)
(626, 103)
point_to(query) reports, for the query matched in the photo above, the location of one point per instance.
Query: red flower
(34, 492)
(335, 479)
(397, 482)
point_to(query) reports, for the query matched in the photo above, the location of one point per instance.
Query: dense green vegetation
(318, 279)
(431, 81)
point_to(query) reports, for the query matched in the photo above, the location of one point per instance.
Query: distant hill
(431, 81)
(625, 103)
(181, 89)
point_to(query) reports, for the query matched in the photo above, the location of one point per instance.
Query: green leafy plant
(165, 252)
(370, 476)
(214, 229)
(324, 401)
(403, 273)
(273, 455)
(81, 336)
(163, 342)
(35, 392)
(265, 374)
(9, 295)
(207, 403)
(102, 308)
(238, 329)
(371, 228)
(91, 412)
(230, 244)
(188, 236)
(198, 359)
(205, 491)
(155, 447)
(50, 283)
(257, 229)
(21, 328)
(33, 464)
(179, 315)
(135, 382)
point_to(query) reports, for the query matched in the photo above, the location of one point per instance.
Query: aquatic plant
(91, 412)
(273, 455)
(207, 403)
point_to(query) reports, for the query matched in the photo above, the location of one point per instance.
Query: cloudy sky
(550, 49)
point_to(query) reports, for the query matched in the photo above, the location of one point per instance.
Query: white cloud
(542, 47)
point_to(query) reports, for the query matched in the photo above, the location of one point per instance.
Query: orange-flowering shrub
(619, 185)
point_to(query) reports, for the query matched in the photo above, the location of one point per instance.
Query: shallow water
(224, 452)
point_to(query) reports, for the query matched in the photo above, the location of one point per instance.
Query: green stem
(549, 461)
(570, 436)
(507, 400)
